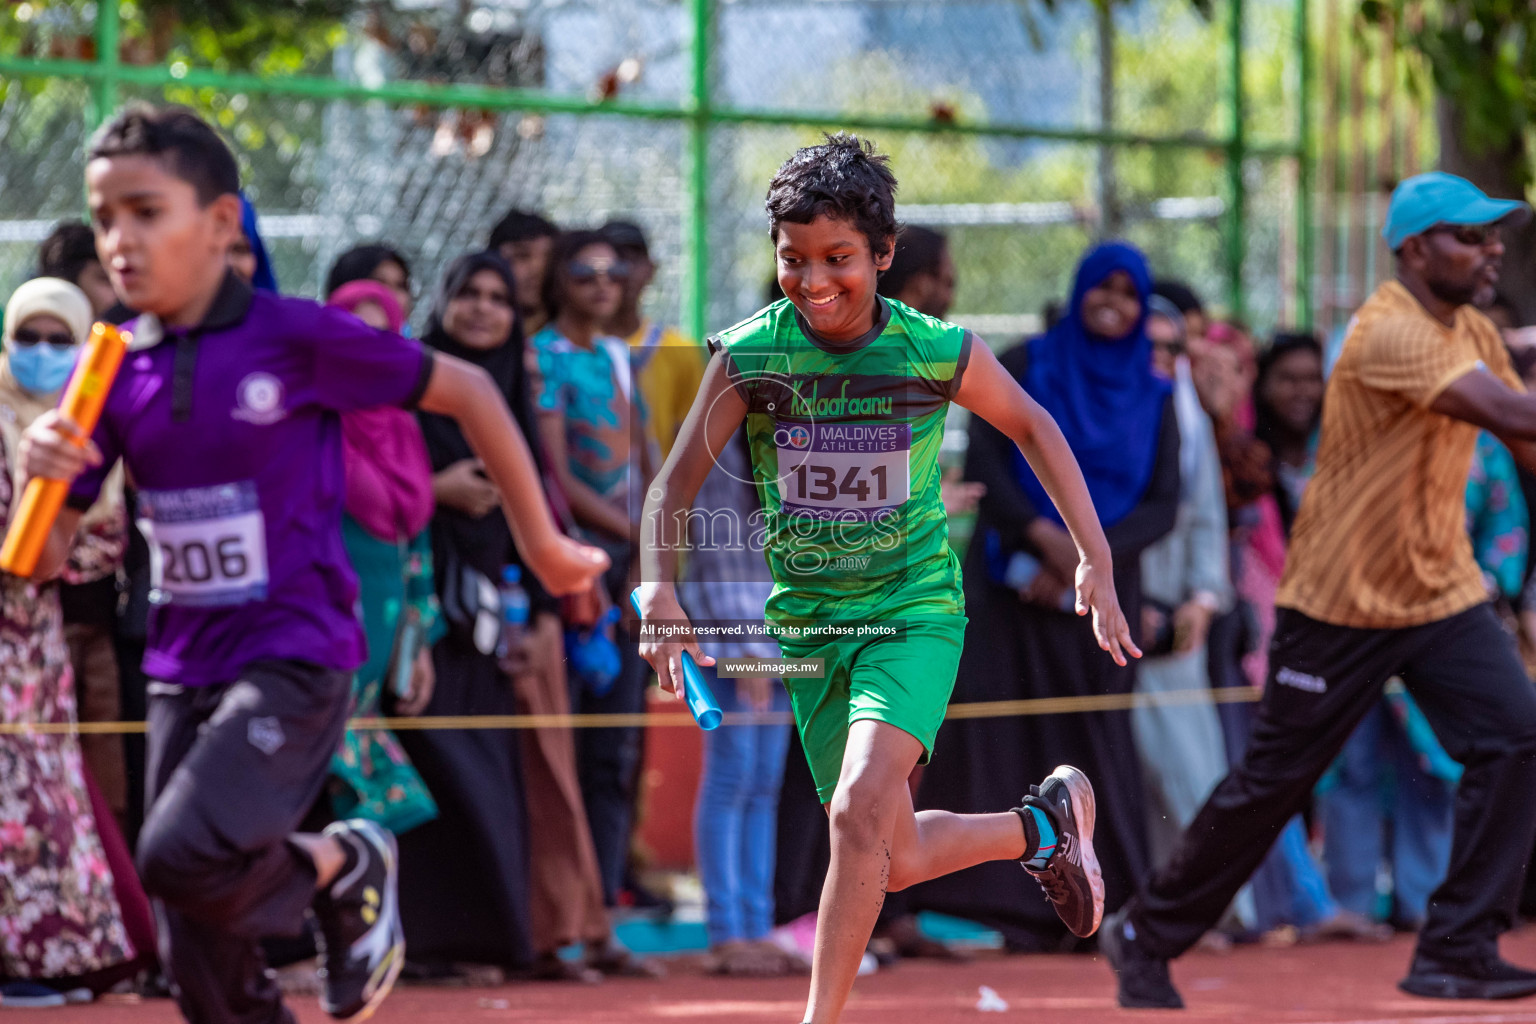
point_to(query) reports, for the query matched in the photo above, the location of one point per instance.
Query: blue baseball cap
(1425, 200)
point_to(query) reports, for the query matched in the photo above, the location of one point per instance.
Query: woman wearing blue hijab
(248, 256)
(1092, 371)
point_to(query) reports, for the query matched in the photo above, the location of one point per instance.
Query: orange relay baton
(84, 398)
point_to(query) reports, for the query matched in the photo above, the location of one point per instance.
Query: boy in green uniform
(844, 395)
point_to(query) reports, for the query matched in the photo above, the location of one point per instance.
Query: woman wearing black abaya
(464, 877)
(1093, 372)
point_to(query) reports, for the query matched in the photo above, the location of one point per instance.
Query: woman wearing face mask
(1093, 372)
(61, 922)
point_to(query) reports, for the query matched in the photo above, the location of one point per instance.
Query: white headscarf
(53, 296)
(42, 296)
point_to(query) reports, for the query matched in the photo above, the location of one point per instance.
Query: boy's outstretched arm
(990, 392)
(713, 420)
(466, 394)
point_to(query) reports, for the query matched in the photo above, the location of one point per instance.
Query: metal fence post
(1109, 194)
(700, 111)
(108, 36)
(1306, 237)
(1237, 151)
(696, 206)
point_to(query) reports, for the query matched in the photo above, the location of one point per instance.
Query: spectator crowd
(516, 846)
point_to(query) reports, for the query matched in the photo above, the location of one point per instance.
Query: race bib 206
(843, 470)
(207, 545)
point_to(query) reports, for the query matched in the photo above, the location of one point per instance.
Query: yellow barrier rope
(972, 710)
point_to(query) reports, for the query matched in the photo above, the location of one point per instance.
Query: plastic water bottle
(514, 611)
(1021, 572)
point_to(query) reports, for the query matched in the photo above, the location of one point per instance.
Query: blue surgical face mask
(41, 368)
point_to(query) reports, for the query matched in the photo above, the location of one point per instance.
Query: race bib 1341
(843, 470)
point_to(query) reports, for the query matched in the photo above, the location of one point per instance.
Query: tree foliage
(1482, 57)
(237, 15)
(267, 36)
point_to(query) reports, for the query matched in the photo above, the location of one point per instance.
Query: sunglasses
(26, 337)
(1469, 234)
(1171, 347)
(585, 272)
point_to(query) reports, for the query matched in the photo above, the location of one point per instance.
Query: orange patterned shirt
(1381, 539)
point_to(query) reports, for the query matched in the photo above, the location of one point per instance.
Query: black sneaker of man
(1487, 978)
(1070, 877)
(362, 943)
(1144, 980)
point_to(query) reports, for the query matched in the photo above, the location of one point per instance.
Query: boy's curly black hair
(844, 178)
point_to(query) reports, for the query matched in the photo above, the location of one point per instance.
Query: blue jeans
(1383, 796)
(736, 817)
(608, 764)
(1289, 888)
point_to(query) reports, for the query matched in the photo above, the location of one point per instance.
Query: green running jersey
(845, 453)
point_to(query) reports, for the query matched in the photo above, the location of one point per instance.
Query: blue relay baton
(696, 692)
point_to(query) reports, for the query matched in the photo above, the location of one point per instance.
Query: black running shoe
(362, 944)
(1071, 878)
(1144, 980)
(1491, 978)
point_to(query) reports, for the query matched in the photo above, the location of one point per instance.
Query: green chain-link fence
(1024, 129)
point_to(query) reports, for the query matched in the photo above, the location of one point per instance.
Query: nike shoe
(1071, 877)
(362, 943)
(1144, 980)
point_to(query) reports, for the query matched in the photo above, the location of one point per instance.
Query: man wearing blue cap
(1379, 582)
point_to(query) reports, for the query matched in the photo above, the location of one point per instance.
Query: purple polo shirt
(230, 433)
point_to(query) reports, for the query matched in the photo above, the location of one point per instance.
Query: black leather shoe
(1491, 978)
(1144, 980)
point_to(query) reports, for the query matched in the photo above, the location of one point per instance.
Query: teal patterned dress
(371, 776)
(1496, 515)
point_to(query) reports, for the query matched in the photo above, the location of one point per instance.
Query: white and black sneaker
(1070, 877)
(362, 943)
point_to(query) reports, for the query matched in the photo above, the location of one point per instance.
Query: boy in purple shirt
(225, 413)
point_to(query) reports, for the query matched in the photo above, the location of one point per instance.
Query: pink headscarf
(1225, 335)
(388, 473)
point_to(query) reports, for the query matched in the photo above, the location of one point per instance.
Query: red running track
(1333, 984)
